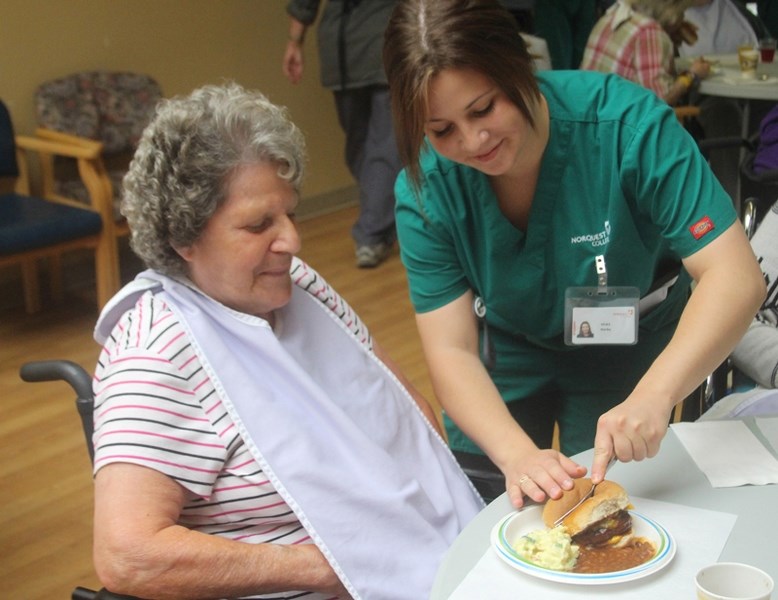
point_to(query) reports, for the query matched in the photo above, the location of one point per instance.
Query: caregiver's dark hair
(424, 37)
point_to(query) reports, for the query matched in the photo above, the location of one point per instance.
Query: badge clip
(602, 274)
(487, 346)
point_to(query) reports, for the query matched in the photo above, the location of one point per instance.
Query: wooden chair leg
(106, 270)
(31, 285)
(55, 278)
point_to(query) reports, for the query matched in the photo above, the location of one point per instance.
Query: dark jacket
(351, 39)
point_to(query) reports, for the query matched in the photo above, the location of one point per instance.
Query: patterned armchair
(112, 108)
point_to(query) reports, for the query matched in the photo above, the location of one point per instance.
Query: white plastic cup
(749, 58)
(733, 581)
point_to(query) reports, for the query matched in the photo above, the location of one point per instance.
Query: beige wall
(181, 43)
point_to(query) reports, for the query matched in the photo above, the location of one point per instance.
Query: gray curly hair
(182, 168)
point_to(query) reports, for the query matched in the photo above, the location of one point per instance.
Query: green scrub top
(620, 178)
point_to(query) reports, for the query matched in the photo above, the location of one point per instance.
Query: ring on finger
(524, 479)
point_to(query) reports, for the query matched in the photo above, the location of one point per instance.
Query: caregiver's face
(471, 121)
(243, 255)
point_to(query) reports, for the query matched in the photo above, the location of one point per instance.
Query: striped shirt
(155, 407)
(632, 45)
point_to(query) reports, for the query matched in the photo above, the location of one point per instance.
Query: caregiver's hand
(633, 430)
(540, 474)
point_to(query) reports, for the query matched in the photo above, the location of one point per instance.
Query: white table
(726, 80)
(670, 476)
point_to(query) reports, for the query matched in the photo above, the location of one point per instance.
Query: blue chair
(32, 228)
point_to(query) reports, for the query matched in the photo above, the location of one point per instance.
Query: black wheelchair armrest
(81, 593)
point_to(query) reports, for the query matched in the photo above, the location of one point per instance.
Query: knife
(586, 496)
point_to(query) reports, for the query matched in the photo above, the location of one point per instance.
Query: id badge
(597, 316)
(602, 315)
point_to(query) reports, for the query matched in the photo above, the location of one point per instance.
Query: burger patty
(600, 532)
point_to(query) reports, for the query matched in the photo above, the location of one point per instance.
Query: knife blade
(586, 496)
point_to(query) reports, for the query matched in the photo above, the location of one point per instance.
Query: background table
(670, 476)
(726, 80)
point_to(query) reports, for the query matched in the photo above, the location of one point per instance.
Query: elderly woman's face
(243, 256)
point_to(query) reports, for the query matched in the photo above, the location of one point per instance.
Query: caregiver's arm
(729, 290)
(139, 549)
(464, 388)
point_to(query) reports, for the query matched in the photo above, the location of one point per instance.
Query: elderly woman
(530, 203)
(250, 438)
(634, 39)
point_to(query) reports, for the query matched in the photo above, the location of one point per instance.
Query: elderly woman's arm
(422, 402)
(729, 290)
(140, 550)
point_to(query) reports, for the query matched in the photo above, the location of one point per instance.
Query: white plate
(519, 523)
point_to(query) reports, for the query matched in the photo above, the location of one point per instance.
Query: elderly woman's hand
(700, 67)
(539, 475)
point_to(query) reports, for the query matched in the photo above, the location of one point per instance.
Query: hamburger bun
(609, 498)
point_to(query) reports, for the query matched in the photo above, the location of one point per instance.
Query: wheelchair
(81, 383)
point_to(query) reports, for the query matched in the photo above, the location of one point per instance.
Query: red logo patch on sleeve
(701, 227)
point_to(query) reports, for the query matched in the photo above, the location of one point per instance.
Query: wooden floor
(45, 477)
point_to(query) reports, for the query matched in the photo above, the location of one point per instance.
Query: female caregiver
(530, 203)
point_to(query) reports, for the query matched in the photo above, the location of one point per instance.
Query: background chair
(686, 113)
(44, 227)
(112, 108)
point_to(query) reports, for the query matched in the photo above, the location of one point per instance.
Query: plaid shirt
(632, 45)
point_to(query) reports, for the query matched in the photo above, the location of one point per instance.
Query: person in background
(522, 11)
(349, 37)
(766, 154)
(520, 187)
(633, 39)
(768, 14)
(721, 26)
(251, 439)
(756, 354)
(565, 25)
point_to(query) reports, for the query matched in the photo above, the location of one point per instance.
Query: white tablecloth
(728, 453)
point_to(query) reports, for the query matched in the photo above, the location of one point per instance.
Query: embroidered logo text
(595, 239)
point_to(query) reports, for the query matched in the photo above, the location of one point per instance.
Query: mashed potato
(548, 548)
